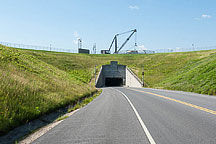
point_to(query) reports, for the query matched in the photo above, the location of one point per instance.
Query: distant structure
(86, 51)
(137, 52)
(115, 42)
(80, 49)
(132, 52)
(148, 51)
(79, 44)
(94, 48)
(105, 52)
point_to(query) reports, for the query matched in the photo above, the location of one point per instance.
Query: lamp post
(95, 73)
(193, 46)
(143, 75)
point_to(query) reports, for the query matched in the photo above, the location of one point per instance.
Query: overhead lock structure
(116, 51)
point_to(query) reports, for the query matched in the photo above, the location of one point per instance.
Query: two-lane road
(140, 115)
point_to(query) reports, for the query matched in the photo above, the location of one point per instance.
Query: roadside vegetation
(84, 102)
(30, 87)
(186, 71)
(33, 83)
(199, 75)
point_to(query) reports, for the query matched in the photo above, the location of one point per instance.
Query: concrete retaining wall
(99, 81)
(131, 79)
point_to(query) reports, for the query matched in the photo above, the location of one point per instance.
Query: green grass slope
(30, 87)
(35, 82)
(197, 76)
(165, 70)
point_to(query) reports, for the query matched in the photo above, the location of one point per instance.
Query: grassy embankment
(35, 82)
(186, 71)
(30, 87)
(198, 75)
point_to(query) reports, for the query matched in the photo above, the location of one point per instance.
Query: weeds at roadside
(84, 102)
(62, 118)
(30, 88)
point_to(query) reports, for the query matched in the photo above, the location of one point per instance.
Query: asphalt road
(135, 115)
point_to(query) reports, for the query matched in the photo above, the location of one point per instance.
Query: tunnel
(109, 82)
(115, 74)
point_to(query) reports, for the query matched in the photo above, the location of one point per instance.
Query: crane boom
(112, 43)
(125, 32)
(116, 51)
(126, 40)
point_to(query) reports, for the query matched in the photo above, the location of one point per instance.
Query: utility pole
(94, 48)
(143, 76)
(95, 73)
(50, 47)
(79, 43)
(193, 46)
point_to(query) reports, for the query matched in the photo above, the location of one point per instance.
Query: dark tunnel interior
(113, 82)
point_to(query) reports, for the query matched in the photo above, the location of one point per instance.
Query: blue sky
(161, 24)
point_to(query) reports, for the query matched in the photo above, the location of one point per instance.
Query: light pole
(143, 75)
(95, 73)
(193, 46)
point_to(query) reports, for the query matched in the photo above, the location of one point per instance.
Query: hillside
(36, 82)
(30, 87)
(197, 76)
(187, 71)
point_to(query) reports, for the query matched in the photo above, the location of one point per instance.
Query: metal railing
(35, 47)
(49, 48)
(137, 52)
(185, 49)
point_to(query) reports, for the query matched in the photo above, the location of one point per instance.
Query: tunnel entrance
(113, 82)
(115, 74)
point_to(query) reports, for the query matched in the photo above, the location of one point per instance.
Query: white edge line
(151, 140)
(41, 131)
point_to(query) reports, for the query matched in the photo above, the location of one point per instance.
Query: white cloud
(142, 47)
(134, 7)
(205, 16)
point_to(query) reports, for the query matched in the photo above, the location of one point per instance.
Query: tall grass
(30, 87)
(197, 76)
(35, 82)
(166, 70)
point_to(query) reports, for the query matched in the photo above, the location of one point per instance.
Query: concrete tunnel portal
(109, 82)
(114, 74)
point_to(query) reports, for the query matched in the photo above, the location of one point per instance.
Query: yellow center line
(178, 101)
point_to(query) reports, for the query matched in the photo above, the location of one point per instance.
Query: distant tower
(94, 48)
(79, 44)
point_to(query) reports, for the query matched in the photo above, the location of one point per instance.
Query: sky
(160, 24)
